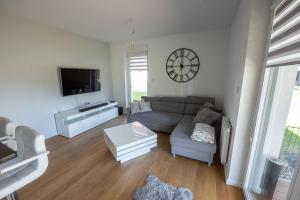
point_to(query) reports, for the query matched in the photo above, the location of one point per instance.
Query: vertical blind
(284, 46)
(138, 61)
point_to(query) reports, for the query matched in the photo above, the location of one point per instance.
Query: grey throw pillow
(208, 105)
(206, 116)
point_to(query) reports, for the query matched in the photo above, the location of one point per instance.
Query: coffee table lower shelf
(132, 151)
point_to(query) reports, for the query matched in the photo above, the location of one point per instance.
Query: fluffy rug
(158, 190)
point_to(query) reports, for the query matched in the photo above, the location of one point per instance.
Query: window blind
(138, 61)
(284, 48)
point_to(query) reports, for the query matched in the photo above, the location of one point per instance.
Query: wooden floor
(84, 168)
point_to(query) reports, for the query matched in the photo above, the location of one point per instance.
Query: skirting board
(51, 135)
(231, 181)
(234, 183)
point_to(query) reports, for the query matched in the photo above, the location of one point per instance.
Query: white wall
(248, 38)
(211, 47)
(29, 56)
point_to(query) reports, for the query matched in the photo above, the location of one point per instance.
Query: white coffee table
(129, 141)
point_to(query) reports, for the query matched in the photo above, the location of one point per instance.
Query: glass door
(277, 143)
(274, 156)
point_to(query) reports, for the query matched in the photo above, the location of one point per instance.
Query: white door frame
(255, 137)
(294, 191)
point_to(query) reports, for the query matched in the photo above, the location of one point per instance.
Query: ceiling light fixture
(132, 33)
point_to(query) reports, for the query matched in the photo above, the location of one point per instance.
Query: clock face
(182, 65)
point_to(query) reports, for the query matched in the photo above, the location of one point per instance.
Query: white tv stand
(72, 122)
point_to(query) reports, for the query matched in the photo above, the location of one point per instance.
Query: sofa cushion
(181, 136)
(146, 98)
(199, 100)
(156, 120)
(173, 99)
(172, 107)
(166, 104)
(154, 102)
(155, 105)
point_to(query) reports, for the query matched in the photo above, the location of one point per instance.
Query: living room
(69, 73)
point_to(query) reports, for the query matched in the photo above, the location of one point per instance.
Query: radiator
(224, 139)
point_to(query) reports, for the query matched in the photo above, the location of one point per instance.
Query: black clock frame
(179, 81)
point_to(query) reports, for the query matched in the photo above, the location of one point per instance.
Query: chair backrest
(7, 132)
(29, 144)
(7, 127)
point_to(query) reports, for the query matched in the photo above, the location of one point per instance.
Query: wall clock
(182, 65)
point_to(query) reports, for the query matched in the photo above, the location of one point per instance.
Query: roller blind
(138, 61)
(284, 48)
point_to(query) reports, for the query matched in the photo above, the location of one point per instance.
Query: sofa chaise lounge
(175, 115)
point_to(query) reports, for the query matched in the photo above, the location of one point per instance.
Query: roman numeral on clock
(181, 52)
(169, 67)
(193, 58)
(171, 72)
(175, 77)
(187, 77)
(188, 54)
(176, 55)
(171, 60)
(193, 71)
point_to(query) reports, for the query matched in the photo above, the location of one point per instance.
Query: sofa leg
(174, 155)
(209, 164)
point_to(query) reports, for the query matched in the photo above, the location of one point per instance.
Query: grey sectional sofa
(175, 115)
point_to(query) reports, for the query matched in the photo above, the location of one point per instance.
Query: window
(138, 75)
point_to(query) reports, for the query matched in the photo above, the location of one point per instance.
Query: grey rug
(154, 189)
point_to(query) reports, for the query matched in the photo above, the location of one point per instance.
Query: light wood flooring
(84, 168)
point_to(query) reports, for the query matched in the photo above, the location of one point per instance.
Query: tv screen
(79, 81)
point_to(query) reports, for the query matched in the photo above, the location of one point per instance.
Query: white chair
(31, 162)
(7, 132)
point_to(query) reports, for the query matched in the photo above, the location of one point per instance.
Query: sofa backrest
(193, 103)
(154, 102)
(172, 104)
(167, 104)
(183, 105)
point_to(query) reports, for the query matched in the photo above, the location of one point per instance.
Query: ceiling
(108, 20)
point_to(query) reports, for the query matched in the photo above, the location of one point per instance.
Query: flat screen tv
(78, 81)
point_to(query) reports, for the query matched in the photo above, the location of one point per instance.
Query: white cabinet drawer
(77, 128)
(91, 122)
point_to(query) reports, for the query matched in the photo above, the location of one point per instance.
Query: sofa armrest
(128, 113)
(128, 110)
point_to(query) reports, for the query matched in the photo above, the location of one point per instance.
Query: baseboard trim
(234, 183)
(50, 135)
